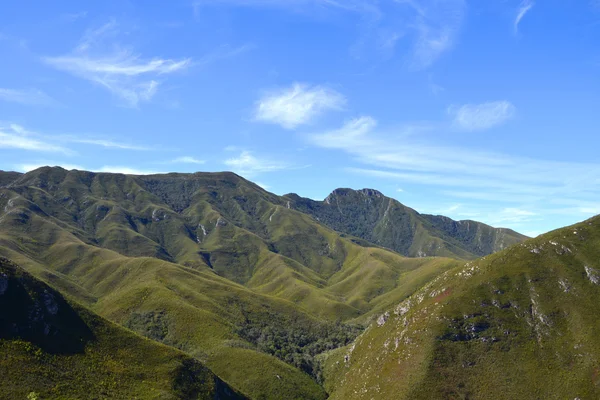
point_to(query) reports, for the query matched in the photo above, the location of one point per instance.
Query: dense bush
(296, 341)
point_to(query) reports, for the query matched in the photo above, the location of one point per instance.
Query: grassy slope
(56, 349)
(521, 323)
(200, 308)
(220, 221)
(143, 251)
(379, 219)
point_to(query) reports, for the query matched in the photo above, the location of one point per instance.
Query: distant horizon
(484, 111)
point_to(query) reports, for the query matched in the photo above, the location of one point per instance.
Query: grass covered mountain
(53, 348)
(370, 215)
(519, 324)
(208, 263)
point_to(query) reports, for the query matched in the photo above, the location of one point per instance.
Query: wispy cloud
(102, 143)
(246, 163)
(361, 6)
(15, 136)
(298, 105)
(492, 179)
(187, 160)
(477, 117)
(436, 25)
(523, 9)
(19, 137)
(430, 27)
(32, 97)
(122, 72)
(72, 17)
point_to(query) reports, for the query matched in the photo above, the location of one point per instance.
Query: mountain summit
(370, 215)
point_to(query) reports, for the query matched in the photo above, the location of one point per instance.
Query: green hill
(206, 263)
(52, 348)
(520, 324)
(370, 215)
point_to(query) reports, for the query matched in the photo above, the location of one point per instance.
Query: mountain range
(266, 296)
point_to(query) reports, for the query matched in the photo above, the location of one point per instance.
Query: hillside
(521, 323)
(206, 263)
(52, 348)
(370, 215)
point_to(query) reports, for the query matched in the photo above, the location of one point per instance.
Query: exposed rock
(564, 285)
(383, 319)
(221, 222)
(593, 275)
(403, 307)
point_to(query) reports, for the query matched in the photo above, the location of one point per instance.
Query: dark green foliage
(296, 341)
(152, 324)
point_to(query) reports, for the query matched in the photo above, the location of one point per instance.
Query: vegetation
(521, 323)
(51, 348)
(370, 215)
(212, 265)
(296, 341)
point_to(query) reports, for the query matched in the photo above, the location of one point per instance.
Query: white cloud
(262, 185)
(248, 164)
(115, 169)
(533, 234)
(492, 180)
(523, 9)
(16, 137)
(351, 134)
(31, 97)
(26, 167)
(297, 105)
(122, 72)
(187, 160)
(477, 117)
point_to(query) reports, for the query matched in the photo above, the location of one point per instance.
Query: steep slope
(52, 348)
(521, 323)
(203, 262)
(370, 215)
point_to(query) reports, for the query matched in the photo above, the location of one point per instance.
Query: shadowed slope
(55, 349)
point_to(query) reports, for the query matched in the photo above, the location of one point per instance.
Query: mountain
(370, 215)
(521, 323)
(53, 348)
(208, 263)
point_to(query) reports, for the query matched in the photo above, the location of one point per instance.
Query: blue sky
(484, 110)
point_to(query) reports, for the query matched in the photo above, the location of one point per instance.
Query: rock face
(370, 215)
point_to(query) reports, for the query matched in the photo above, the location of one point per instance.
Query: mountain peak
(346, 192)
